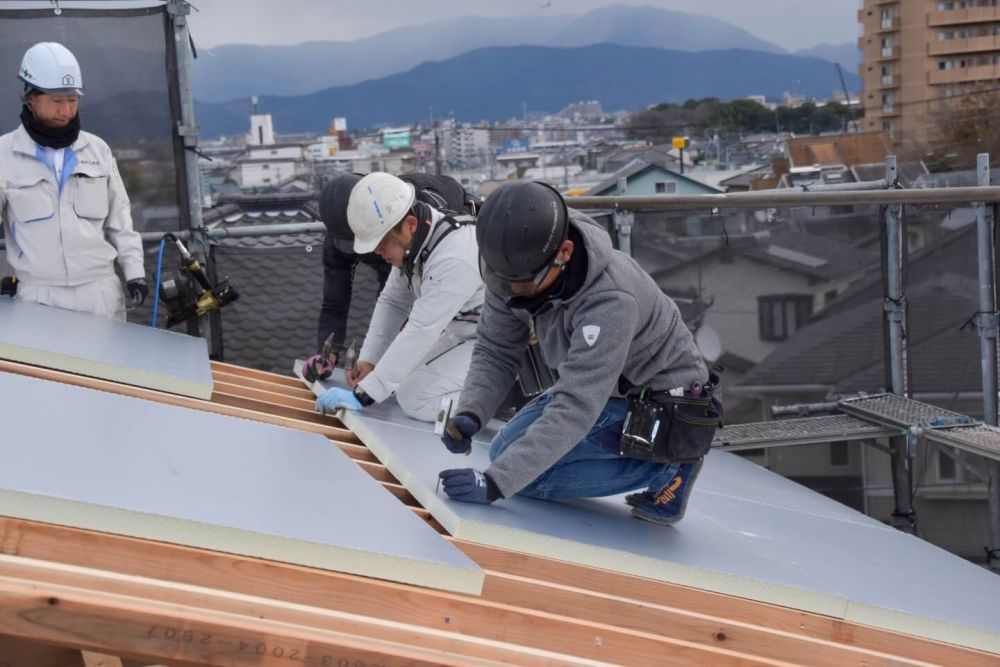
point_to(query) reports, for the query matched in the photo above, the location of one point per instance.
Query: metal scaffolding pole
(988, 321)
(987, 318)
(188, 131)
(844, 187)
(217, 233)
(895, 301)
(623, 221)
(902, 448)
(743, 200)
(789, 197)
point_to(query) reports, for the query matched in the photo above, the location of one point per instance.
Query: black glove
(458, 433)
(8, 286)
(138, 290)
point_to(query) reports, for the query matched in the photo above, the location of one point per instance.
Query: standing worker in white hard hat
(63, 206)
(419, 343)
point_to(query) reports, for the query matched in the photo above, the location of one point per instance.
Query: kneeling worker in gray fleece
(633, 407)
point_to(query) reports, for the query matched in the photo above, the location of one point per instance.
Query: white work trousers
(440, 374)
(101, 297)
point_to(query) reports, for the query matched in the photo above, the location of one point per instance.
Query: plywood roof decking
(102, 348)
(529, 605)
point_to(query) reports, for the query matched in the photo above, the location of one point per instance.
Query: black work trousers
(338, 278)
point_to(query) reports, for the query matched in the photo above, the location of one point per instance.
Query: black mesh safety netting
(130, 92)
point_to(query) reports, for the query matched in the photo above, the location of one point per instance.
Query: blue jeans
(593, 467)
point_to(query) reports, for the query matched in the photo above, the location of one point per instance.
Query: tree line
(704, 117)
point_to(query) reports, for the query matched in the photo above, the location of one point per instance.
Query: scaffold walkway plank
(892, 410)
(941, 426)
(980, 439)
(802, 431)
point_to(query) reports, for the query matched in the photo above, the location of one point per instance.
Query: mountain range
(493, 84)
(232, 71)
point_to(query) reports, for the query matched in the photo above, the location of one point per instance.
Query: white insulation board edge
(95, 346)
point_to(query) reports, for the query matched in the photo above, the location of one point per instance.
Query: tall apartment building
(466, 143)
(917, 55)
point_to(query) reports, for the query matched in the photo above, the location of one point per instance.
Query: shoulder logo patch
(590, 334)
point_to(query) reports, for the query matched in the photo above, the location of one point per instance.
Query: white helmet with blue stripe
(378, 202)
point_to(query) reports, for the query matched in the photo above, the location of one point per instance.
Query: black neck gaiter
(50, 137)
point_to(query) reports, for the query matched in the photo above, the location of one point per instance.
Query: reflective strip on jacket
(68, 231)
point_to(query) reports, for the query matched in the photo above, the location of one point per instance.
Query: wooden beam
(300, 391)
(512, 610)
(253, 374)
(19, 652)
(327, 426)
(378, 471)
(269, 397)
(304, 414)
(139, 628)
(547, 571)
(91, 659)
(356, 452)
(152, 619)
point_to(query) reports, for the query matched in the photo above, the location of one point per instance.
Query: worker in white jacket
(420, 340)
(63, 207)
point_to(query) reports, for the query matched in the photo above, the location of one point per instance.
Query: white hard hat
(378, 202)
(51, 68)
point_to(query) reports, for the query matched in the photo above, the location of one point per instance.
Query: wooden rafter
(91, 659)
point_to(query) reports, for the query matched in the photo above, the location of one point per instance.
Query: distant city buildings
(467, 143)
(574, 149)
(918, 55)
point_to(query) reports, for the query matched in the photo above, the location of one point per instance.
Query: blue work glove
(469, 486)
(458, 433)
(316, 367)
(335, 397)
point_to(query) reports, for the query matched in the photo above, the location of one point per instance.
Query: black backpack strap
(442, 229)
(442, 192)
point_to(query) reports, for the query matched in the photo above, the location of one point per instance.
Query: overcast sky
(792, 24)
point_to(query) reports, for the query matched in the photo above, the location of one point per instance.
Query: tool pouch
(664, 428)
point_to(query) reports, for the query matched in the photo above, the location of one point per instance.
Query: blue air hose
(159, 268)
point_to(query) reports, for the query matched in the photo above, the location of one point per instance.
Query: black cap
(520, 228)
(333, 206)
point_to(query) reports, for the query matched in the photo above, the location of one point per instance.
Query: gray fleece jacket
(617, 324)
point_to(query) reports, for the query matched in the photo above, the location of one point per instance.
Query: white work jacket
(65, 231)
(446, 286)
